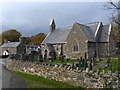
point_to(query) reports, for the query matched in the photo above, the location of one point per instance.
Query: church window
(75, 46)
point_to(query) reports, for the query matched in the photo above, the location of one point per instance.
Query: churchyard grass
(57, 61)
(115, 65)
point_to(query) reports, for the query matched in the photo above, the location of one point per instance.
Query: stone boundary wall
(76, 78)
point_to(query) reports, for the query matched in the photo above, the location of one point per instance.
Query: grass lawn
(34, 81)
(105, 70)
(115, 64)
(57, 61)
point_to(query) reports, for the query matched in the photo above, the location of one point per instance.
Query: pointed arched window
(75, 46)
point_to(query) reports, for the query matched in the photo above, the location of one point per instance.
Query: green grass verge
(34, 81)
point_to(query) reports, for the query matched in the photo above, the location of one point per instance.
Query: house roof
(88, 32)
(57, 36)
(10, 44)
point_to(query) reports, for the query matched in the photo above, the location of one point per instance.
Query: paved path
(101, 64)
(10, 80)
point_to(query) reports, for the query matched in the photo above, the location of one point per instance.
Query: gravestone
(67, 59)
(110, 67)
(110, 72)
(103, 71)
(73, 66)
(80, 62)
(31, 57)
(45, 56)
(87, 70)
(86, 65)
(60, 66)
(65, 67)
(69, 67)
(90, 66)
(52, 57)
(77, 68)
(83, 62)
(62, 58)
(41, 59)
(76, 64)
(116, 73)
(98, 72)
(49, 65)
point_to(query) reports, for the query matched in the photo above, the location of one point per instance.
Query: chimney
(52, 25)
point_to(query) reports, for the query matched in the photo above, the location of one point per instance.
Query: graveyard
(102, 73)
(57, 44)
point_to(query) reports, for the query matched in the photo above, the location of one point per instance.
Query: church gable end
(76, 43)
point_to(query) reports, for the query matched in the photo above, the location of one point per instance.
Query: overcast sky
(31, 18)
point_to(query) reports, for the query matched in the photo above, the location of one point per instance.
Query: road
(10, 80)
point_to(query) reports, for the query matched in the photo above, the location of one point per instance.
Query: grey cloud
(32, 18)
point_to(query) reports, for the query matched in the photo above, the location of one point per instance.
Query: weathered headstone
(98, 72)
(90, 66)
(62, 58)
(77, 64)
(56, 65)
(68, 67)
(45, 56)
(77, 68)
(65, 67)
(52, 57)
(103, 71)
(87, 70)
(67, 59)
(60, 66)
(86, 65)
(73, 66)
(41, 59)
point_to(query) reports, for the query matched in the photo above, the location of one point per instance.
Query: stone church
(80, 40)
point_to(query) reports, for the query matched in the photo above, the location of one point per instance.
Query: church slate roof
(104, 33)
(57, 36)
(93, 26)
(87, 31)
(90, 31)
(10, 44)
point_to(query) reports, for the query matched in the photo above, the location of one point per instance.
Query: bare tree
(115, 6)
